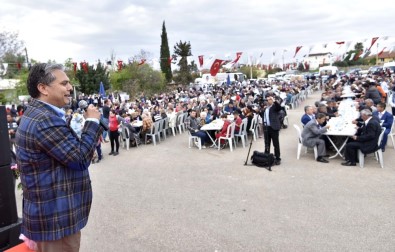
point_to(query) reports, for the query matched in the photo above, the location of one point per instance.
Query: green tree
(135, 78)
(358, 46)
(9, 43)
(165, 55)
(183, 50)
(89, 82)
(11, 52)
(247, 71)
(21, 87)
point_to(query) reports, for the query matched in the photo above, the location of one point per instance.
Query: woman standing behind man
(114, 124)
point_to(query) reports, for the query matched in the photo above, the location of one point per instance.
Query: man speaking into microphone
(53, 162)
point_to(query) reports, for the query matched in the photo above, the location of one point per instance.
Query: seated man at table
(312, 136)
(331, 109)
(365, 139)
(387, 119)
(309, 114)
(193, 125)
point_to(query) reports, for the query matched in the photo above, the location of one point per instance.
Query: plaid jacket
(53, 162)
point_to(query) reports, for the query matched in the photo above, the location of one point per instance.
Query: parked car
(375, 69)
(353, 72)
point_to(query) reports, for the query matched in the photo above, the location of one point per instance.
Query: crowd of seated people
(368, 94)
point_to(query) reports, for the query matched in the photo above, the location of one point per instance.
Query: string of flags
(338, 51)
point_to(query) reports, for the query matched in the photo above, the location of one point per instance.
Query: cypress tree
(165, 55)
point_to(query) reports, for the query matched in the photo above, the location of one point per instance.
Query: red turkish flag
(200, 60)
(373, 41)
(215, 67)
(84, 66)
(381, 52)
(340, 43)
(357, 55)
(142, 62)
(75, 67)
(120, 65)
(297, 50)
(19, 65)
(238, 55)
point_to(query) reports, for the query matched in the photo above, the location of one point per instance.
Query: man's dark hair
(41, 73)
(320, 115)
(381, 104)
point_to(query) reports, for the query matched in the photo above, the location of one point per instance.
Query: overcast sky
(91, 30)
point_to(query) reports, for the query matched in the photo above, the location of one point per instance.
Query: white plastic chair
(192, 139)
(153, 133)
(300, 144)
(242, 133)
(125, 137)
(378, 153)
(160, 128)
(230, 136)
(254, 127)
(165, 127)
(180, 123)
(392, 133)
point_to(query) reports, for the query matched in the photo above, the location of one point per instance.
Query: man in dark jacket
(272, 124)
(373, 93)
(365, 140)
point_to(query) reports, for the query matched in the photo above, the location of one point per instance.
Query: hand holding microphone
(91, 112)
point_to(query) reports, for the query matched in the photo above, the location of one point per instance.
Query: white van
(328, 70)
(390, 65)
(221, 78)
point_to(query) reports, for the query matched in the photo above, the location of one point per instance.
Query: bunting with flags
(381, 52)
(373, 41)
(120, 65)
(75, 67)
(238, 55)
(392, 48)
(297, 50)
(351, 56)
(201, 60)
(142, 61)
(357, 55)
(340, 43)
(84, 66)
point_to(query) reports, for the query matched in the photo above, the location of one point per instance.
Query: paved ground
(172, 198)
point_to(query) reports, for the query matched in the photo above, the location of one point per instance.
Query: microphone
(83, 105)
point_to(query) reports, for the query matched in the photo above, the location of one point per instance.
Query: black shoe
(382, 149)
(348, 163)
(111, 153)
(322, 160)
(116, 153)
(325, 155)
(277, 162)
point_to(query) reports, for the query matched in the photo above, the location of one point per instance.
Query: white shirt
(384, 86)
(267, 119)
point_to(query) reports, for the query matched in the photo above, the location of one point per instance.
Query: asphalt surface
(169, 197)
